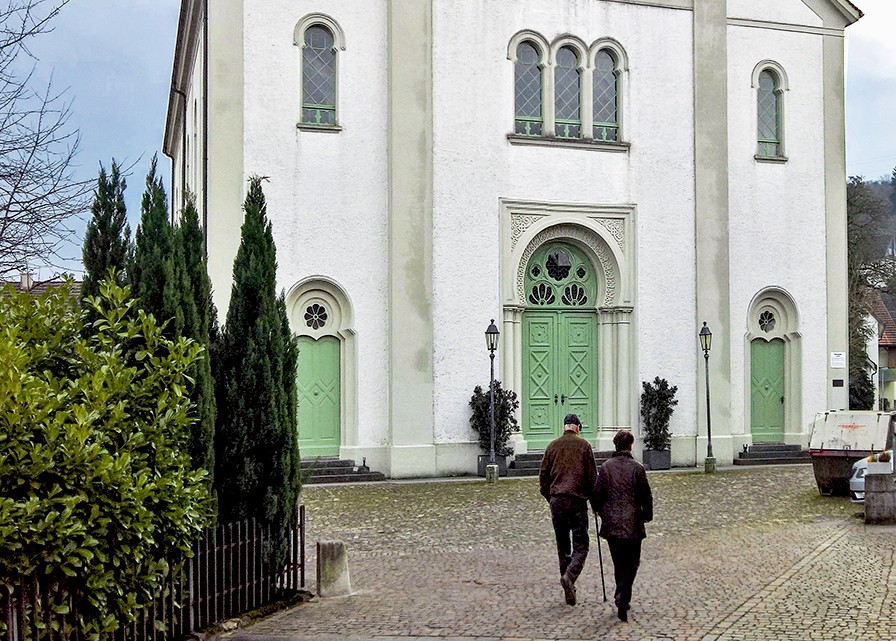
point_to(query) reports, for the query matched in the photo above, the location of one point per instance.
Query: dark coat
(568, 468)
(622, 498)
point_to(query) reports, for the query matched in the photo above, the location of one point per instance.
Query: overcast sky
(115, 57)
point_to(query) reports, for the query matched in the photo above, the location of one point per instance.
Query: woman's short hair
(623, 440)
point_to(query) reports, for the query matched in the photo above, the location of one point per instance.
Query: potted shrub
(506, 404)
(657, 405)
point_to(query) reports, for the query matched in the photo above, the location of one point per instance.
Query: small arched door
(767, 390)
(559, 344)
(317, 388)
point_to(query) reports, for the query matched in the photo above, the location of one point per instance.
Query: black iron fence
(231, 571)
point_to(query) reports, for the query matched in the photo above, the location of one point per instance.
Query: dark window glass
(769, 115)
(318, 77)
(528, 91)
(606, 97)
(567, 95)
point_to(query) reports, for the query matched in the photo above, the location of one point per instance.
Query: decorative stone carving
(616, 228)
(519, 223)
(575, 232)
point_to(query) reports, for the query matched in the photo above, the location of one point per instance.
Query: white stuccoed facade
(413, 222)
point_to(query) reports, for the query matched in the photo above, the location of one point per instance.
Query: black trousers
(626, 554)
(569, 515)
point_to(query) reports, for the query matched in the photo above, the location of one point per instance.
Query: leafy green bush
(506, 404)
(96, 486)
(657, 405)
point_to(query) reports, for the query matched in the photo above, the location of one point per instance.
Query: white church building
(601, 177)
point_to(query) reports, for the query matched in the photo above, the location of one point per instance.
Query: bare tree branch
(39, 195)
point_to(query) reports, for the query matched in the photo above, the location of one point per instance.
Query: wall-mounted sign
(838, 360)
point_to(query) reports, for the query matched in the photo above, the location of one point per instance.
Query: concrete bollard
(332, 569)
(880, 499)
(491, 473)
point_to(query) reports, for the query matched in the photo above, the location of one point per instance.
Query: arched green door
(317, 386)
(559, 344)
(767, 390)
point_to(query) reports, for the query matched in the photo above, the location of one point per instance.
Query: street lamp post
(491, 341)
(705, 335)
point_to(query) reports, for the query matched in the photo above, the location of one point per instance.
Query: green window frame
(605, 92)
(528, 90)
(769, 115)
(567, 95)
(319, 77)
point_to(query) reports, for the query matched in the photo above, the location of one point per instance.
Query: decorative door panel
(317, 386)
(559, 374)
(767, 390)
(539, 379)
(579, 370)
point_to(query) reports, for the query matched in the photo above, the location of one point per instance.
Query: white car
(857, 479)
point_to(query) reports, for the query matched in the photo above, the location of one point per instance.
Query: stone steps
(529, 464)
(773, 454)
(325, 469)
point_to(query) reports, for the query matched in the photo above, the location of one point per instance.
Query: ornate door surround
(772, 316)
(318, 307)
(605, 234)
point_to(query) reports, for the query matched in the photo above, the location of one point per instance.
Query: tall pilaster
(711, 219)
(410, 238)
(224, 131)
(835, 218)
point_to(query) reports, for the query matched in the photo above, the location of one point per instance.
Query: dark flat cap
(572, 419)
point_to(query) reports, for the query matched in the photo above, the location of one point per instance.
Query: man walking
(624, 502)
(567, 480)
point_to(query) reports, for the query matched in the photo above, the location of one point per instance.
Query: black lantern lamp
(491, 341)
(705, 344)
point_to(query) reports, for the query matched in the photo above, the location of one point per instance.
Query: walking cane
(600, 558)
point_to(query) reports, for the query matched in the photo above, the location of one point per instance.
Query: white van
(857, 479)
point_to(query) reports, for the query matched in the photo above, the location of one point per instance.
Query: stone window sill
(582, 143)
(330, 129)
(771, 159)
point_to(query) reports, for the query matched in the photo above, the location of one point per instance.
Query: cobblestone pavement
(747, 554)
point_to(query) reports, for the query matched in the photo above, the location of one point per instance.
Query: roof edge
(188, 26)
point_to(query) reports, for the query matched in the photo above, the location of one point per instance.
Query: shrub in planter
(657, 405)
(506, 404)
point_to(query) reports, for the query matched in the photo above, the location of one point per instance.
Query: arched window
(567, 95)
(606, 97)
(529, 119)
(769, 115)
(318, 77)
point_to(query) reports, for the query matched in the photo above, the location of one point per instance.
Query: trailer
(839, 439)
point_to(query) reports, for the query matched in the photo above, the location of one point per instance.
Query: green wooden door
(559, 344)
(767, 390)
(578, 370)
(540, 393)
(317, 386)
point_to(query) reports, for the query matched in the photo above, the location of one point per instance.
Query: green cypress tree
(199, 318)
(155, 278)
(256, 447)
(108, 237)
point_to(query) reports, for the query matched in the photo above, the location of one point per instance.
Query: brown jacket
(623, 498)
(568, 468)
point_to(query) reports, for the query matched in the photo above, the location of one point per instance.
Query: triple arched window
(770, 83)
(565, 90)
(320, 40)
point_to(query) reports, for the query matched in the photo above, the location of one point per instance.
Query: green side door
(317, 386)
(767, 390)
